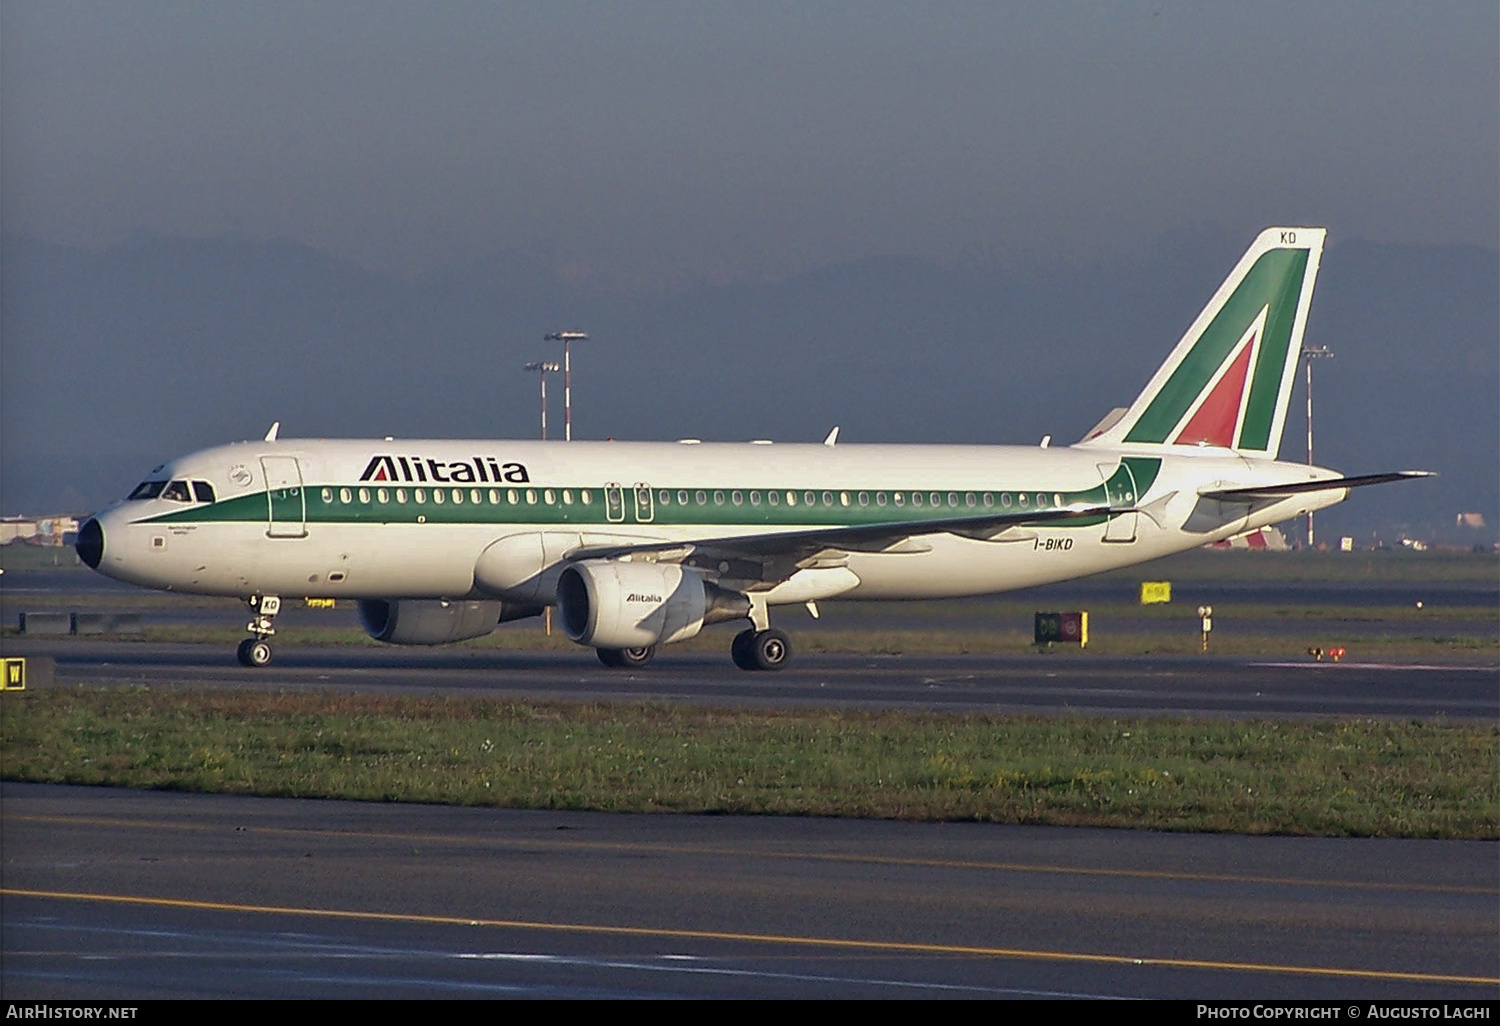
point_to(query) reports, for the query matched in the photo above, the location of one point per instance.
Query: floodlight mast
(1308, 355)
(566, 337)
(543, 369)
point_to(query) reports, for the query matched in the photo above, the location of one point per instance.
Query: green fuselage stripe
(557, 505)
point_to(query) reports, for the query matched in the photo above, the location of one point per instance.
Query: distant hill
(112, 361)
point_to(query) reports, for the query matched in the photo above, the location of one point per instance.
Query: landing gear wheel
(761, 650)
(627, 658)
(771, 649)
(739, 650)
(254, 652)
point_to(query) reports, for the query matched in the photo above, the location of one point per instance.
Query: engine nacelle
(435, 621)
(611, 604)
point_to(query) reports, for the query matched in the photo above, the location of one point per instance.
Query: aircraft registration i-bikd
(644, 544)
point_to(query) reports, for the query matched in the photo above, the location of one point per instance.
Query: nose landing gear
(256, 651)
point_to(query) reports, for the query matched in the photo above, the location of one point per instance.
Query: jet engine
(617, 605)
(435, 622)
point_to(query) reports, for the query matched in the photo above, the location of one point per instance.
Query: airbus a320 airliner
(644, 544)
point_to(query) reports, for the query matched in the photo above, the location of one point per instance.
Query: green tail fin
(1229, 380)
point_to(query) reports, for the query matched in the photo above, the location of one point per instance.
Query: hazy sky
(658, 140)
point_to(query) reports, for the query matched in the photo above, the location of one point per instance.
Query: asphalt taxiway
(1037, 683)
(131, 895)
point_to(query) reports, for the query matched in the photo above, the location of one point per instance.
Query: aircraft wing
(1282, 491)
(776, 556)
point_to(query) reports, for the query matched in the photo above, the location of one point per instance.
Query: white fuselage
(487, 519)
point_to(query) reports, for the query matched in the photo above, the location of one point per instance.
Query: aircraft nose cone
(90, 544)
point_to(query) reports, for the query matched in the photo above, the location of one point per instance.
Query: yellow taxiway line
(760, 938)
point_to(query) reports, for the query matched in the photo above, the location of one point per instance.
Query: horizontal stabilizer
(1298, 487)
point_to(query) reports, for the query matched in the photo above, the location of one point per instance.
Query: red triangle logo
(1213, 423)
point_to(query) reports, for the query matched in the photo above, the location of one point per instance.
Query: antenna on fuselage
(271, 434)
(833, 437)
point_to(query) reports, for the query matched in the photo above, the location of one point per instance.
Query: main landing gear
(768, 649)
(626, 658)
(753, 649)
(760, 646)
(256, 651)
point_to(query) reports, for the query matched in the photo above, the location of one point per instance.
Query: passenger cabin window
(147, 490)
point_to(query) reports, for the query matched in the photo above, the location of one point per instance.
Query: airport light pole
(1308, 355)
(542, 370)
(566, 337)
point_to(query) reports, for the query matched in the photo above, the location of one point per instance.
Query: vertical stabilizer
(1229, 380)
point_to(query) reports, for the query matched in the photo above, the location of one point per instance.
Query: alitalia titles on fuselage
(423, 469)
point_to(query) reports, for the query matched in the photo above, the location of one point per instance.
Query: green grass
(1338, 779)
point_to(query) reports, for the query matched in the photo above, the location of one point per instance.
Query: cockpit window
(147, 490)
(204, 491)
(177, 491)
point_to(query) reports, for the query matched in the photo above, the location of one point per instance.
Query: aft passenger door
(286, 498)
(1119, 490)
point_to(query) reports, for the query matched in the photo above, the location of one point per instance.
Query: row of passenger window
(951, 500)
(683, 497)
(458, 496)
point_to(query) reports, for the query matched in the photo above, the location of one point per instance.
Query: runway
(127, 895)
(1070, 682)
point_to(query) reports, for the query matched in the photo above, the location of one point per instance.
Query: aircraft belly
(364, 561)
(958, 567)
